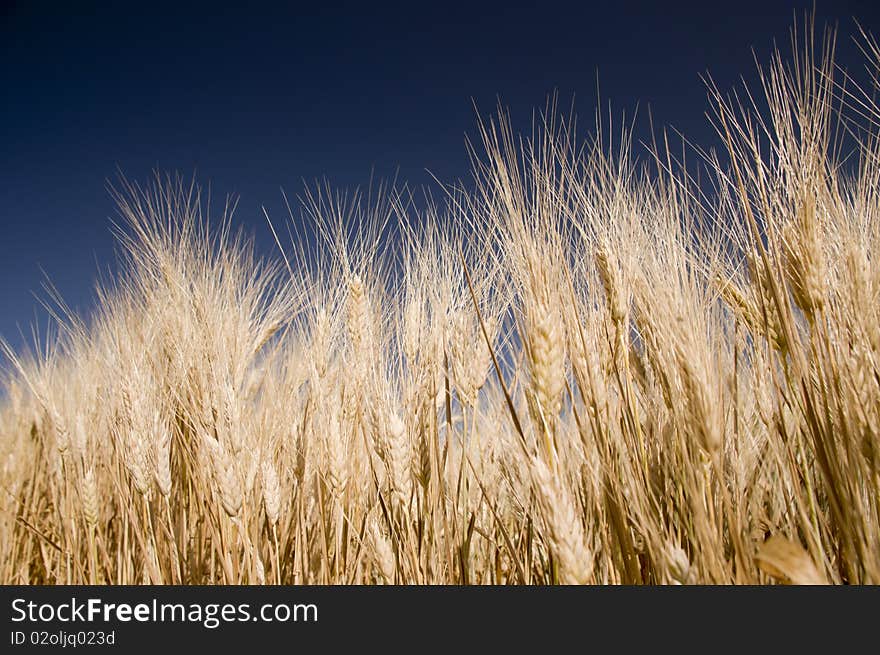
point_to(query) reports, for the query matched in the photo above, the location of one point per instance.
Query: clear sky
(254, 98)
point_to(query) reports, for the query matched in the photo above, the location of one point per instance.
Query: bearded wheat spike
(745, 309)
(460, 346)
(127, 412)
(612, 283)
(89, 493)
(80, 434)
(268, 332)
(679, 567)
(232, 416)
(703, 407)
(271, 491)
(431, 370)
(163, 463)
(471, 357)
(804, 262)
(136, 462)
(399, 452)
(384, 554)
(62, 434)
(259, 569)
(566, 531)
(547, 358)
(225, 477)
(337, 458)
(357, 313)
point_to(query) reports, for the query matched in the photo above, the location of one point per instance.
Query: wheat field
(586, 367)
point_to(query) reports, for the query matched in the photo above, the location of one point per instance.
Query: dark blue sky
(256, 98)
